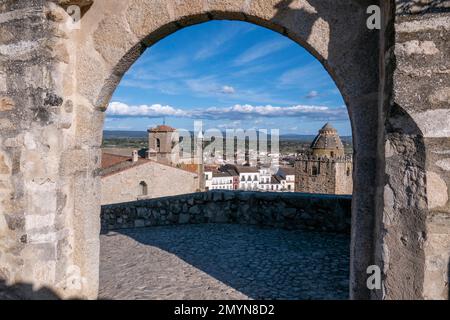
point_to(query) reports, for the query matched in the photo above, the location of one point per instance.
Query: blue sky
(230, 74)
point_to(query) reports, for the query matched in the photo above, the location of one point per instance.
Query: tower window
(158, 145)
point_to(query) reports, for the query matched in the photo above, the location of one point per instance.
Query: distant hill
(108, 134)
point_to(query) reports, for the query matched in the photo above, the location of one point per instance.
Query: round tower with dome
(325, 168)
(328, 143)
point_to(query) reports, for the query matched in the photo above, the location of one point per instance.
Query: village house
(134, 177)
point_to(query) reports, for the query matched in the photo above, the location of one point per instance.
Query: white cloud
(233, 113)
(261, 50)
(210, 86)
(312, 94)
(231, 125)
(249, 111)
(228, 90)
(118, 109)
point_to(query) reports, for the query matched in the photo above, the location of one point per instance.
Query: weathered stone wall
(418, 135)
(124, 186)
(344, 177)
(412, 245)
(284, 210)
(323, 182)
(48, 156)
(56, 82)
(114, 33)
(331, 175)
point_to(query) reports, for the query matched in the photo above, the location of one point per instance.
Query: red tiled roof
(112, 164)
(162, 128)
(189, 167)
(109, 160)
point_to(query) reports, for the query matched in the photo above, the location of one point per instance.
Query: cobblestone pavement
(214, 261)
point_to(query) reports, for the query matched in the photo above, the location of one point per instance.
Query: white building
(275, 183)
(221, 181)
(248, 178)
(217, 180)
(208, 180)
(287, 175)
(265, 177)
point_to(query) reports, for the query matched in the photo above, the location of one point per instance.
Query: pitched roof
(246, 169)
(328, 127)
(162, 128)
(275, 179)
(109, 159)
(231, 169)
(112, 163)
(218, 174)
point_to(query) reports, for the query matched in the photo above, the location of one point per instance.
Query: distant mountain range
(108, 134)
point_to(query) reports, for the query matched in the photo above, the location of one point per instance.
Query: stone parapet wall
(285, 210)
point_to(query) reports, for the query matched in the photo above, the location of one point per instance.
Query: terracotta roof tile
(162, 128)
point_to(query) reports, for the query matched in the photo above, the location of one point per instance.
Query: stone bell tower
(163, 145)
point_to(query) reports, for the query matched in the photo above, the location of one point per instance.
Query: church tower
(163, 145)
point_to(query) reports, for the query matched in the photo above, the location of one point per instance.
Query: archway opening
(248, 78)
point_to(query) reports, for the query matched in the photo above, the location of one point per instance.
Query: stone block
(184, 218)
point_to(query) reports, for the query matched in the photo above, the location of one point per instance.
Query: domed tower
(163, 144)
(328, 143)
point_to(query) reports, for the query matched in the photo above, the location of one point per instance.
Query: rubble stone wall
(283, 210)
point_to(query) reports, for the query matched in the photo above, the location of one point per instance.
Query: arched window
(143, 188)
(158, 144)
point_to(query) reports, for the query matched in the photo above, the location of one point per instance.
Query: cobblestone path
(214, 261)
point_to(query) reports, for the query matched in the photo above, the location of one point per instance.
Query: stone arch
(55, 124)
(115, 34)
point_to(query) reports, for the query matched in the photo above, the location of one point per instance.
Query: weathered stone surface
(40, 59)
(417, 133)
(421, 6)
(329, 213)
(437, 190)
(212, 261)
(6, 104)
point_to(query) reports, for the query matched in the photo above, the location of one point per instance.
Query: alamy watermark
(237, 145)
(374, 20)
(74, 21)
(374, 280)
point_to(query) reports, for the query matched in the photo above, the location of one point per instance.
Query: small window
(158, 145)
(348, 172)
(315, 171)
(143, 188)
